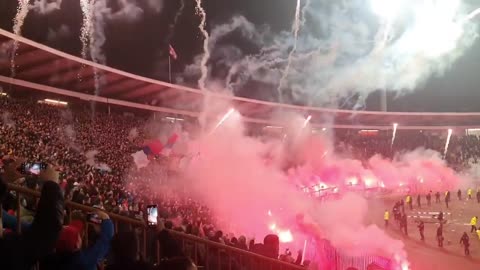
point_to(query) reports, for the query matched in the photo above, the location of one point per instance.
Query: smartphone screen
(33, 168)
(93, 218)
(152, 214)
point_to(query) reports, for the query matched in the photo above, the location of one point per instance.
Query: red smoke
(230, 173)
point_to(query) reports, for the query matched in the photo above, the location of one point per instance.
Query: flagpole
(169, 69)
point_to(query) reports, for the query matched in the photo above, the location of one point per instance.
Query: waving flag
(172, 52)
(170, 143)
(140, 159)
(153, 147)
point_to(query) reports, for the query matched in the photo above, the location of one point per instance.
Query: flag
(169, 145)
(155, 147)
(172, 52)
(140, 159)
(171, 141)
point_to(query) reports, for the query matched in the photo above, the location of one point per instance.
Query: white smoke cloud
(7, 119)
(156, 5)
(229, 161)
(171, 26)
(55, 34)
(132, 134)
(45, 7)
(344, 48)
(128, 12)
(91, 160)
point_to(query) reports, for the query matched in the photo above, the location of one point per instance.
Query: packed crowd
(93, 157)
(462, 151)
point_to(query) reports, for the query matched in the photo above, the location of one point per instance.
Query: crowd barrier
(206, 254)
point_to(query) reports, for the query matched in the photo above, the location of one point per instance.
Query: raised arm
(40, 240)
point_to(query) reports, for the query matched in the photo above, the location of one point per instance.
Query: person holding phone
(152, 215)
(69, 253)
(23, 251)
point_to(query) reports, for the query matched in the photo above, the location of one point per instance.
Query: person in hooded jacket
(125, 253)
(69, 254)
(23, 251)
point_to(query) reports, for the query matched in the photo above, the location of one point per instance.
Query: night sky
(141, 47)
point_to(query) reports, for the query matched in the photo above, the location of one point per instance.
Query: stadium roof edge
(223, 96)
(50, 89)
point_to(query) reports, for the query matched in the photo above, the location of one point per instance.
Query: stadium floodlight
(52, 101)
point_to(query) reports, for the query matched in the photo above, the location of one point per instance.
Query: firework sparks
(296, 28)
(307, 121)
(18, 21)
(206, 53)
(395, 125)
(224, 118)
(448, 141)
(86, 30)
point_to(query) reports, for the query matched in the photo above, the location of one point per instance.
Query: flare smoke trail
(206, 52)
(394, 133)
(304, 11)
(224, 118)
(447, 143)
(171, 27)
(22, 12)
(343, 41)
(96, 13)
(295, 28)
(46, 6)
(473, 14)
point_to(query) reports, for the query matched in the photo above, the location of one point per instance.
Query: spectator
(69, 253)
(429, 198)
(242, 243)
(473, 224)
(440, 235)
(23, 251)
(465, 242)
(169, 248)
(177, 263)
(421, 229)
(125, 253)
(386, 218)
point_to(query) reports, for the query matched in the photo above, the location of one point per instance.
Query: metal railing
(204, 253)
